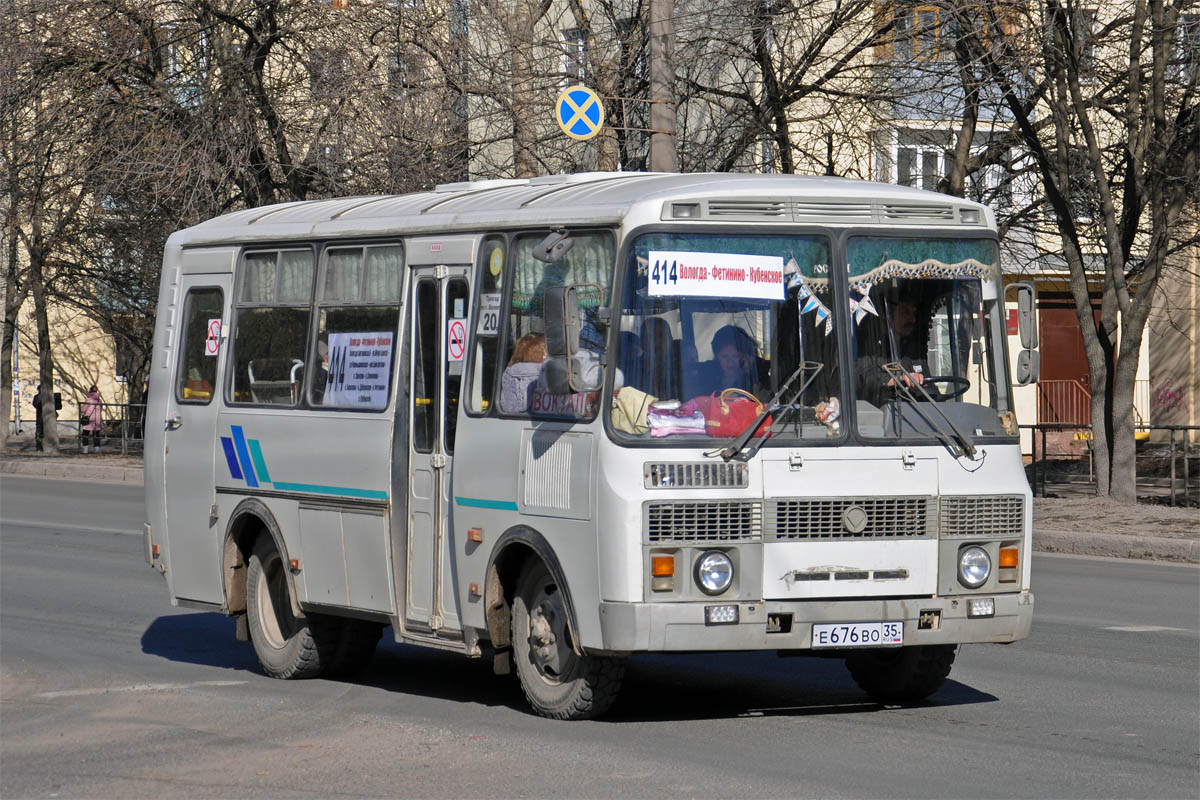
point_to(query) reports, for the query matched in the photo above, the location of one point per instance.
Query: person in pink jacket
(89, 411)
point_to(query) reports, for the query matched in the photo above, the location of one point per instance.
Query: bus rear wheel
(558, 682)
(903, 674)
(286, 645)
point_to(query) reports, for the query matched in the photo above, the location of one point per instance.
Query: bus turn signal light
(662, 573)
(1008, 556)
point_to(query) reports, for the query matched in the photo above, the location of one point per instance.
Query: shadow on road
(657, 688)
(206, 639)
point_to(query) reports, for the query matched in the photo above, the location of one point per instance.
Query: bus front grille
(850, 518)
(982, 515)
(714, 521)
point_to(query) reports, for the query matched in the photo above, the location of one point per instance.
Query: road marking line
(137, 687)
(1145, 629)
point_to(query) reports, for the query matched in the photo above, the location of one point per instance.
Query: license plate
(858, 634)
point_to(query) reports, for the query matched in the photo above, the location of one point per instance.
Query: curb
(1111, 545)
(96, 472)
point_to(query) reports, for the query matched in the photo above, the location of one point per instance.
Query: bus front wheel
(903, 674)
(558, 682)
(284, 643)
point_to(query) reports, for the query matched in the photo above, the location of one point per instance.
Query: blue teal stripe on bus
(235, 471)
(259, 463)
(345, 491)
(239, 442)
(475, 502)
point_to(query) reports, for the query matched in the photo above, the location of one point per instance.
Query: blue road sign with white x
(579, 112)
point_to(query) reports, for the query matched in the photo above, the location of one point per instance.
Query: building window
(917, 31)
(328, 72)
(574, 57)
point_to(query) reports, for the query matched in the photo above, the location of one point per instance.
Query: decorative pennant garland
(809, 302)
(860, 302)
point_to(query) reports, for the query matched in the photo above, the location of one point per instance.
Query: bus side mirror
(567, 370)
(562, 321)
(1029, 364)
(1026, 321)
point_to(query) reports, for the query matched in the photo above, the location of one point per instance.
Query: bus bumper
(787, 625)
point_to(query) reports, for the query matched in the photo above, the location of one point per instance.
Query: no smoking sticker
(212, 341)
(456, 339)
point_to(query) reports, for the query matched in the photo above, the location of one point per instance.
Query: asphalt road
(108, 691)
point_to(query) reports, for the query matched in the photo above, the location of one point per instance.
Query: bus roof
(594, 198)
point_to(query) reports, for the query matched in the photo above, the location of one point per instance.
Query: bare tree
(1114, 136)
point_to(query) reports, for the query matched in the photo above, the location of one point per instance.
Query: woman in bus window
(522, 372)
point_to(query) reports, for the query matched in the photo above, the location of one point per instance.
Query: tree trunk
(37, 283)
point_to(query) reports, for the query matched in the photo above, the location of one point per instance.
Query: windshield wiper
(904, 381)
(734, 448)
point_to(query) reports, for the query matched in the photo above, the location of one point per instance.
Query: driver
(873, 381)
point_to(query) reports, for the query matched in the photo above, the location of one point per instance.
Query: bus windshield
(710, 316)
(927, 330)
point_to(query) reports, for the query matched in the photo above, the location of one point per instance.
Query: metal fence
(122, 427)
(1178, 451)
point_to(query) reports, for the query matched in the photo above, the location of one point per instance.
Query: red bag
(728, 415)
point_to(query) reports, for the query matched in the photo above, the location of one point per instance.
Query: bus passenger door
(439, 341)
(194, 544)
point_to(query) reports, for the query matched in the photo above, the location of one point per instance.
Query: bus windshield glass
(710, 319)
(928, 338)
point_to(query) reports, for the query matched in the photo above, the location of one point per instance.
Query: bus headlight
(974, 566)
(714, 572)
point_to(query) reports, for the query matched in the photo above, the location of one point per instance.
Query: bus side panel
(509, 473)
(325, 475)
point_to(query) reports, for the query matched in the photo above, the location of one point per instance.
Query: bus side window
(358, 312)
(491, 273)
(270, 328)
(197, 357)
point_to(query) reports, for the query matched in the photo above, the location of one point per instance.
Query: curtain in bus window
(258, 278)
(343, 274)
(385, 267)
(295, 276)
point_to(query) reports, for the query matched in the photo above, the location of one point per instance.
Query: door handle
(174, 423)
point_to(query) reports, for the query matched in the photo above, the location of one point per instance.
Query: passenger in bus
(321, 376)
(735, 362)
(522, 373)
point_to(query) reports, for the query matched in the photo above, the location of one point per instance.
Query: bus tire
(287, 646)
(901, 675)
(557, 682)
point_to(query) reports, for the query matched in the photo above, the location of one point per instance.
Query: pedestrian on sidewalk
(89, 414)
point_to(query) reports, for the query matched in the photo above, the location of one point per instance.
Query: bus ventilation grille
(696, 475)
(850, 518)
(982, 515)
(703, 522)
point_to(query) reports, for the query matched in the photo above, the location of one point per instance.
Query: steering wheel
(960, 386)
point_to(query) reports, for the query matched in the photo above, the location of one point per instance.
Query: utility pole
(662, 87)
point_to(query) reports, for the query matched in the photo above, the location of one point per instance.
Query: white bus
(559, 421)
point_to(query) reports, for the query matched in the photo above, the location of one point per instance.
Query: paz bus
(558, 421)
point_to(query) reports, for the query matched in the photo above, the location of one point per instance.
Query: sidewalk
(1075, 525)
